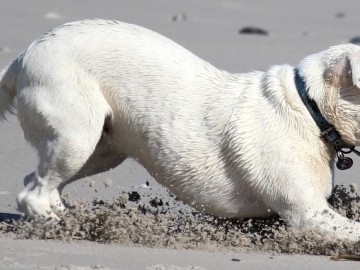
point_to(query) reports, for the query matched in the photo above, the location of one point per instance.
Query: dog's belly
(184, 152)
(220, 201)
(208, 190)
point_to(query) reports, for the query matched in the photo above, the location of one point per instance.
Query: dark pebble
(253, 31)
(179, 17)
(156, 202)
(355, 40)
(235, 260)
(340, 15)
(134, 196)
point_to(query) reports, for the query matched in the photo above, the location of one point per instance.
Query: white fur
(89, 94)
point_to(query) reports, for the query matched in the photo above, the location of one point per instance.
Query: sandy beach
(209, 29)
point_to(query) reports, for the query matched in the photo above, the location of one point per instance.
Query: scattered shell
(143, 186)
(108, 183)
(5, 49)
(353, 187)
(92, 184)
(53, 16)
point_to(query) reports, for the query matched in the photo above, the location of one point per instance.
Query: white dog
(89, 94)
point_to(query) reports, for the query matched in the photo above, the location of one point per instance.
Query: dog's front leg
(310, 211)
(327, 222)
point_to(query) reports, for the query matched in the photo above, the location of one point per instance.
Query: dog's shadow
(9, 218)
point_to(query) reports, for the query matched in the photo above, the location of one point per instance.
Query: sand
(114, 233)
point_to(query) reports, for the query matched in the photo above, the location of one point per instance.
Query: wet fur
(90, 94)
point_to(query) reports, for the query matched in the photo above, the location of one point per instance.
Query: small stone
(235, 260)
(355, 40)
(108, 183)
(179, 17)
(53, 16)
(156, 202)
(253, 31)
(134, 196)
(123, 199)
(92, 184)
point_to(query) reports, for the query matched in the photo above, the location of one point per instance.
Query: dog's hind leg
(105, 157)
(100, 161)
(55, 200)
(60, 159)
(65, 132)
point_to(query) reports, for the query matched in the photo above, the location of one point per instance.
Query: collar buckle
(326, 131)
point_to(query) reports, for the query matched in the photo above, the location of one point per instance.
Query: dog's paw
(35, 206)
(56, 203)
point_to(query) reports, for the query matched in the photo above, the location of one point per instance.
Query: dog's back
(118, 90)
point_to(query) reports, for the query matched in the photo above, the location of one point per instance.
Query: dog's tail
(7, 90)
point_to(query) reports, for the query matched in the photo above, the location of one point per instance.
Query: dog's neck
(327, 131)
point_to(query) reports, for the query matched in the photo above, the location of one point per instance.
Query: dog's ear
(346, 71)
(355, 68)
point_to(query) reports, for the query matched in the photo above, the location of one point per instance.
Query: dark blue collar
(327, 131)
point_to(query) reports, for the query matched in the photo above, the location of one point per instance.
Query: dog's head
(333, 78)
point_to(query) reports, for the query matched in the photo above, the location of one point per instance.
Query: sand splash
(158, 225)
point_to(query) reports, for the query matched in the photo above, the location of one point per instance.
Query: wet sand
(112, 234)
